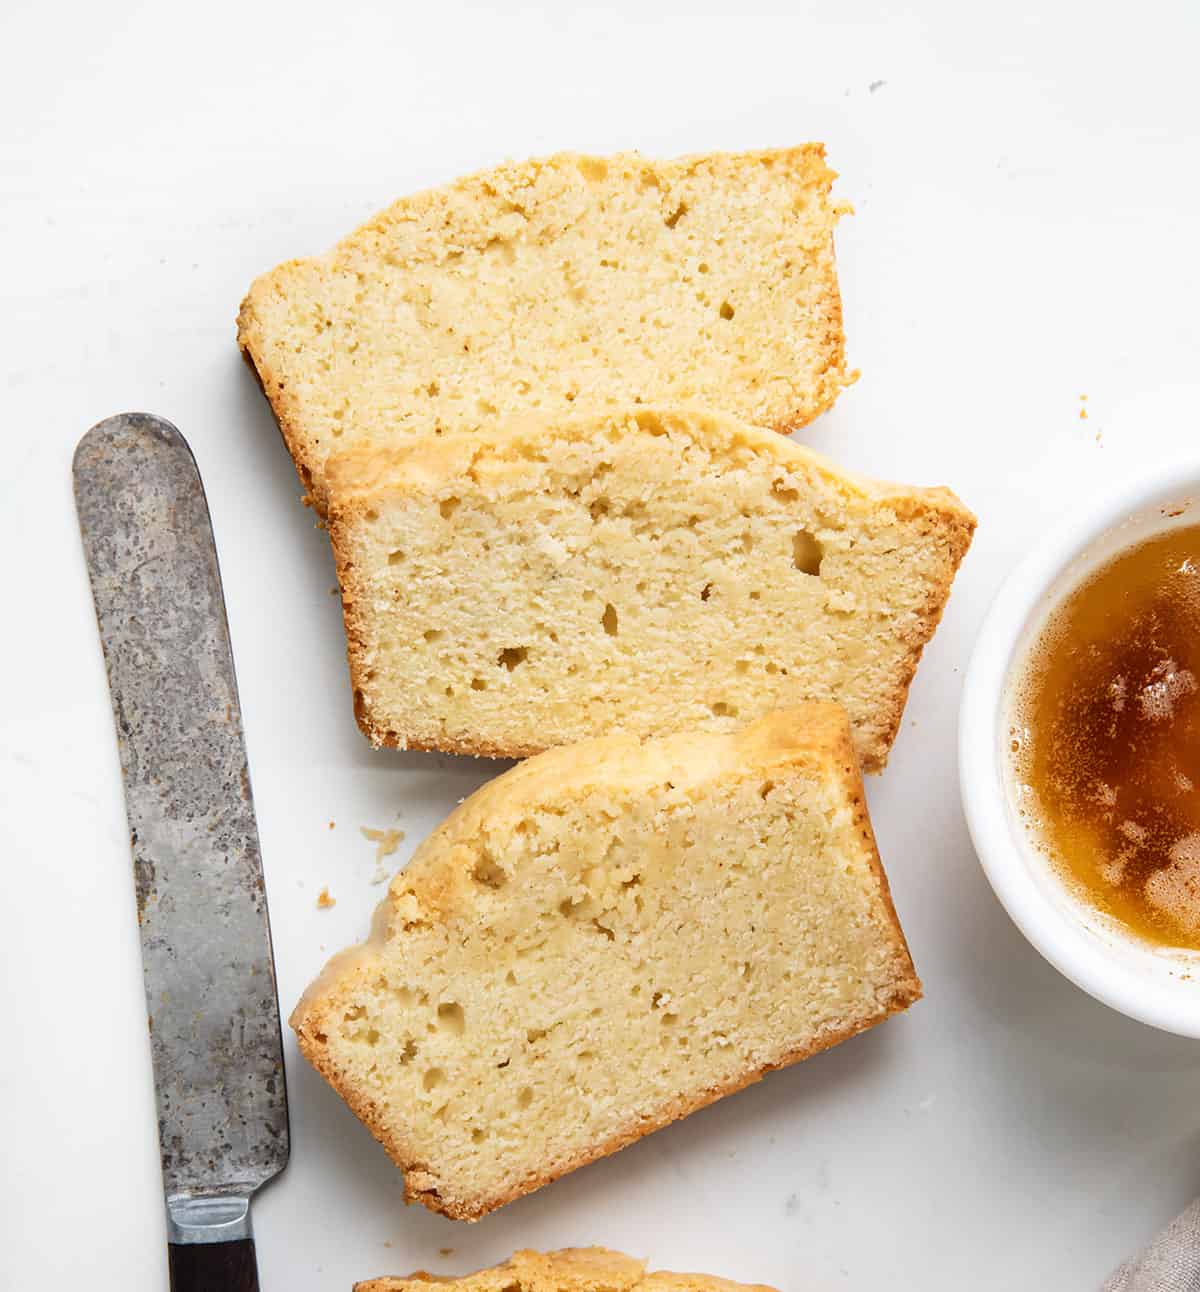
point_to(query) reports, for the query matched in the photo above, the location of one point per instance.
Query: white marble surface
(1027, 196)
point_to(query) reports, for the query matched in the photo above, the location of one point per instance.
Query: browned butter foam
(1105, 739)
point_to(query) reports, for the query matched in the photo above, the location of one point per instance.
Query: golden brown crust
(572, 1269)
(282, 403)
(816, 734)
(959, 526)
(834, 377)
(908, 984)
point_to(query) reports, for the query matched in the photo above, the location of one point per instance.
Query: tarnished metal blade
(206, 943)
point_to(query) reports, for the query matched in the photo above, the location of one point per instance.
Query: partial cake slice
(541, 284)
(574, 1269)
(642, 571)
(606, 938)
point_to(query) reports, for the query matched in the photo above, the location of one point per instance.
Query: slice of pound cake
(639, 571)
(605, 281)
(604, 939)
(574, 1269)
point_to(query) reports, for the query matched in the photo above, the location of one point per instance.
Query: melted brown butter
(1106, 738)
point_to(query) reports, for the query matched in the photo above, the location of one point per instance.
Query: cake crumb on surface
(386, 842)
(324, 901)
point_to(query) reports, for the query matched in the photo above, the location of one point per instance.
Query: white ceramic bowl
(1159, 986)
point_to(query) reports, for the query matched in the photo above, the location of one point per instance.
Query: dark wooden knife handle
(213, 1267)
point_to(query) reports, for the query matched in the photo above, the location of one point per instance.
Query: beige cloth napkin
(1170, 1264)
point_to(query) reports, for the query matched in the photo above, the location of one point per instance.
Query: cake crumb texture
(569, 280)
(602, 940)
(641, 570)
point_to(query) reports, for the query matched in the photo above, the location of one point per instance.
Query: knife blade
(207, 963)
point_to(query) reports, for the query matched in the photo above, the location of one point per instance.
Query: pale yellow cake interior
(646, 571)
(567, 281)
(601, 940)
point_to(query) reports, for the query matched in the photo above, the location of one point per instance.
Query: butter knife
(202, 908)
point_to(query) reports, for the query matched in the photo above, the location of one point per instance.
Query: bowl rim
(1071, 950)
